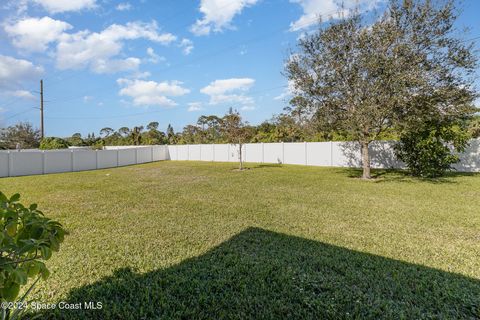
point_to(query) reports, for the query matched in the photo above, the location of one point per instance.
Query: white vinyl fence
(331, 154)
(21, 163)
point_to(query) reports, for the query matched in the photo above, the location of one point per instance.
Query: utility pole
(42, 128)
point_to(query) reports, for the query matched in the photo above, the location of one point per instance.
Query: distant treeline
(208, 129)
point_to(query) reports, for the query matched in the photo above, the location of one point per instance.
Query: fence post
(151, 154)
(228, 155)
(43, 161)
(305, 145)
(96, 159)
(136, 155)
(9, 164)
(283, 152)
(244, 153)
(263, 153)
(118, 157)
(71, 160)
(213, 152)
(331, 153)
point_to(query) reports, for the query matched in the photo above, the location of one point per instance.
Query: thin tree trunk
(240, 156)
(365, 161)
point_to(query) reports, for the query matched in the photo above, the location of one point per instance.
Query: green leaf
(10, 292)
(54, 244)
(33, 206)
(46, 252)
(33, 269)
(15, 197)
(11, 228)
(26, 248)
(19, 276)
(45, 273)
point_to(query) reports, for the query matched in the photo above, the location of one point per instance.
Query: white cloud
(218, 15)
(153, 57)
(98, 50)
(247, 108)
(186, 45)
(195, 106)
(147, 93)
(34, 34)
(125, 6)
(87, 98)
(23, 94)
(13, 71)
(57, 6)
(314, 9)
(115, 65)
(229, 91)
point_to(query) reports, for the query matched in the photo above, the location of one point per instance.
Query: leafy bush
(430, 150)
(474, 127)
(27, 239)
(50, 143)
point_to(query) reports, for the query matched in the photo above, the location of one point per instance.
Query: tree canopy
(365, 78)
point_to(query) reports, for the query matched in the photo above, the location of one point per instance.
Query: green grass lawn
(200, 240)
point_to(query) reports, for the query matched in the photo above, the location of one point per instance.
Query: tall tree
(22, 135)
(365, 78)
(235, 132)
(105, 132)
(124, 131)
(171, 137)
(136, 135)
(153, 126)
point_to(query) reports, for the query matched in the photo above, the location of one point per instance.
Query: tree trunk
(240, 156)
(365, 161)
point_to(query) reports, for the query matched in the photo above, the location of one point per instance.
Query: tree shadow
(267, 275)
(268, 165)
(381, 154)
(404, 176)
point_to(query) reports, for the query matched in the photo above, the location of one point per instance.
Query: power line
(19, 113)
(254, 93)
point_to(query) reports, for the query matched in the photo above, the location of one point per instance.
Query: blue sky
(108, 63)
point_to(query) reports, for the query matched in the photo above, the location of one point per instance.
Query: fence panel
(126, 157)
(144, 154)
(173, 152)
(182, 152)
(273, 152)
(470, 158)
(4, 164)
(106, 159)
(221, 152)
(84, 160)
(26, 163)
(319, 153)
(160, 153)
(295, 152)
(58, 161)
(195, 152)
(254, 152)
(207, 152)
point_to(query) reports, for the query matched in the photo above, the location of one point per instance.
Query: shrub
(50, 143)
(27, 239)
(430, 150)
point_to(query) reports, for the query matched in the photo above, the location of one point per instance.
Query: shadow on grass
(267, 275)
(398, 175)
(267, 165)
